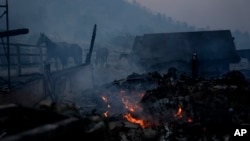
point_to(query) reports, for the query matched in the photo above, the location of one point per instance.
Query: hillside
(118, 21)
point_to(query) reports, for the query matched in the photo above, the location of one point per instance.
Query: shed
(159, 51)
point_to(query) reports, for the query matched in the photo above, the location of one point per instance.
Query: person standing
(194, 65)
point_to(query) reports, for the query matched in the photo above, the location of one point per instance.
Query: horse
(61, 50)
(101, 56)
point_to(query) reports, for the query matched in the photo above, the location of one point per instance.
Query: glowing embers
(131, 119)
(131, 101)
(105, 100)
(179, 113)
(132, 107)
(106, 113)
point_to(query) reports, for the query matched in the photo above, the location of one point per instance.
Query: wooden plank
(22, 64)
(24, 45)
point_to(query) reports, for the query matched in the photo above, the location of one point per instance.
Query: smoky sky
(216, 14)
(73, 21)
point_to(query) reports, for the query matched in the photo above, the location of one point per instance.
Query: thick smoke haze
(73, 20)
(119, 21)
(222, 14)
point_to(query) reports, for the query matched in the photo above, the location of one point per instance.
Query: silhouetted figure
(194, 65)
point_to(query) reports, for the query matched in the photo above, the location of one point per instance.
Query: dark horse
(101, 56)
(62, 51)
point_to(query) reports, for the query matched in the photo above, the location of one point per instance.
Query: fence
(28, 59)
(24, 59)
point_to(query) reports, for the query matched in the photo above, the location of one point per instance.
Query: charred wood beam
(14, 32)
(23, 45)
(88, 59)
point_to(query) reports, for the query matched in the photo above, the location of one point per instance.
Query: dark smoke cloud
(74, 20)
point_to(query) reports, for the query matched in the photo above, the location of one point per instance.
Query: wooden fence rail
(22, 56)
(27, 58)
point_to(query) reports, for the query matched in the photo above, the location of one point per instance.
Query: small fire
(131, 119)
(104, 99)
(178, 114)
(108, 105)
(130, 104)
(106, 113)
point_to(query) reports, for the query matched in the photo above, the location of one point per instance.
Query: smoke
(73, 20)
(118, 22)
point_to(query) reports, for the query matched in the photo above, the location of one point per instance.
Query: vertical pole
(88, 59)
(41, 58)
(8, 44)
(19, 72)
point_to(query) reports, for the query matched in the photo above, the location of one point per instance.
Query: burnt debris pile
(152, 106)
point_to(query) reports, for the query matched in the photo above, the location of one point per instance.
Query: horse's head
(41, 40)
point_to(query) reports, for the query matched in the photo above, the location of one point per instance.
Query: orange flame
(106, 113)
(131, 104)
(134, 120)
(130, 107)
(104, 99)
(178, 114)
(108, 106)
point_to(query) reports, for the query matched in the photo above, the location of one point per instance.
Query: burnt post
(194, 65)
(88, 58)
(19, 67)
(41, 57)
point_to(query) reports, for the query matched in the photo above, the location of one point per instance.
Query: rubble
(157, 107)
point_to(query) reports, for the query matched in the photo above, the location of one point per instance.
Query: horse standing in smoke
(62, 51)
(101, 57)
